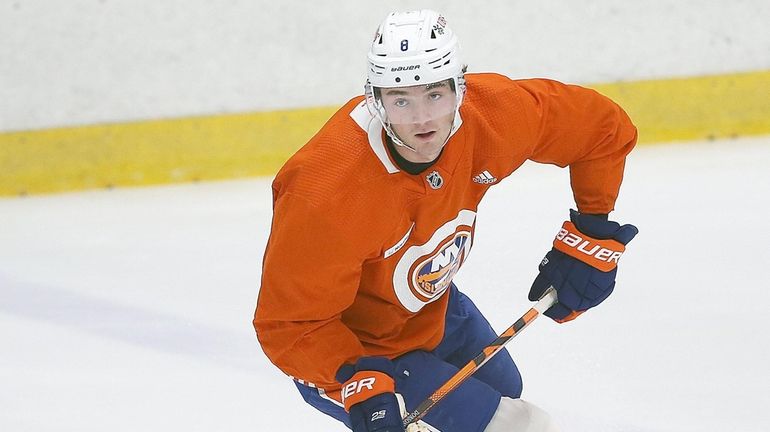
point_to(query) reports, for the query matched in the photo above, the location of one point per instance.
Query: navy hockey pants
(470, 407)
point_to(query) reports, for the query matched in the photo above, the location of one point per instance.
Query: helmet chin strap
(394, 136)
(399, 142)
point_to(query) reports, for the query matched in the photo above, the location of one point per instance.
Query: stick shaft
(548, 300)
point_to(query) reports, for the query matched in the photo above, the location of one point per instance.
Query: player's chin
(430, 152)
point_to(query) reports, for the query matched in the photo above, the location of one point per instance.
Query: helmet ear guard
(377, 109)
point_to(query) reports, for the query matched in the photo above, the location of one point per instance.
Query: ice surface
(130, 310)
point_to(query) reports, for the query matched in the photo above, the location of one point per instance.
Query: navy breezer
(468, 408)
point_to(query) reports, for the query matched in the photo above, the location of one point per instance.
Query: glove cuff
(602, 254)
(379, 364)
(598, 227)
(364, 385)
(369, 377)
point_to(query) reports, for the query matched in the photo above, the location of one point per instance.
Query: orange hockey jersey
(361, 254)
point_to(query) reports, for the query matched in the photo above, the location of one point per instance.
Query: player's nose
(422, 114)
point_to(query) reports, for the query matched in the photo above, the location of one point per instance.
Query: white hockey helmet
(413, 48)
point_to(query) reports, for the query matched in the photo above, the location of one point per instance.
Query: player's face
(422, 118)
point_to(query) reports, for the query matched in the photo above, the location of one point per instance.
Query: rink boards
(256, 144)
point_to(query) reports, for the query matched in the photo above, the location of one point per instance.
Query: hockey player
(376, 214)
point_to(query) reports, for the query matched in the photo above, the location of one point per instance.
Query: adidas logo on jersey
(484, 178)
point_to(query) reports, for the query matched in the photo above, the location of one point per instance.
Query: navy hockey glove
(582, 264)
(368, 392)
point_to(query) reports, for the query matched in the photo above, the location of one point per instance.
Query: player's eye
(435, 96)
(401, 103)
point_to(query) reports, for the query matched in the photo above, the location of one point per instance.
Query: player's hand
(582, 264)
(368, 392)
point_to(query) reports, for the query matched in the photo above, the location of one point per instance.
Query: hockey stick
(545, 302)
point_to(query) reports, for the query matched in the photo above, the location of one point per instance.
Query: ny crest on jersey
(432, 276)
(425, 271)
(435, 180)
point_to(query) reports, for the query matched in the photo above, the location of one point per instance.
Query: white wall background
(88, 61)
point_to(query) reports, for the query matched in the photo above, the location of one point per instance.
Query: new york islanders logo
(433, 275)
(425, 271)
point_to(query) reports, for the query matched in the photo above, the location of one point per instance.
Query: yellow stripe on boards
(256, 144)
(153, 152)
(686, 109)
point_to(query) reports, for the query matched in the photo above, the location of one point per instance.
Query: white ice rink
(130, 310)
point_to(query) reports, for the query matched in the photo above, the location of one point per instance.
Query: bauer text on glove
(368, 392)
(582, 264)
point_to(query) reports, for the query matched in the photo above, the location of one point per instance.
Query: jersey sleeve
(578, 127)
(310, 275)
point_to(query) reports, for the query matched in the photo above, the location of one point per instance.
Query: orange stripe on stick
(548, 300)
